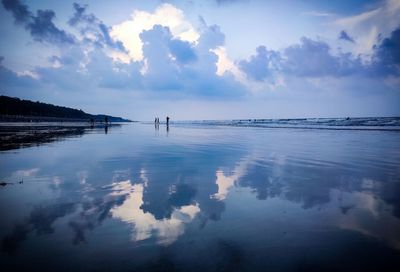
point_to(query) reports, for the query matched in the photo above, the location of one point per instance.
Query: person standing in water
(167, 120)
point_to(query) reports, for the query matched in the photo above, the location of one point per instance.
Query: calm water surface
(203, 198)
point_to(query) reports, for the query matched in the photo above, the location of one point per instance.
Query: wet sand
(19, 135)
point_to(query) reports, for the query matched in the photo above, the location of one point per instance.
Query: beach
(204, 196)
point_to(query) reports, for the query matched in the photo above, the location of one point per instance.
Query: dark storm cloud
(40, 26)
(344, 36)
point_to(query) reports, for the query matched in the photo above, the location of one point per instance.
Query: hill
(15, 109)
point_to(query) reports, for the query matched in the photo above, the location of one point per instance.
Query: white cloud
(225, 64)
(166, 15)
(225, 182)
(368, 25)
(145, 225)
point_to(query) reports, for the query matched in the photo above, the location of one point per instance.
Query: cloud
(93, 29)
(176, 65)
(20, 12)
(388, 51)
(368, 25)
(308, 58)
(344, 36)
(41, 26)
(80, 15)
(162, 72)
(78, 70)
(259, 66)
(386, 58)
(171, 67)
(182, 51)
(168, 71)
(128, 32)
(312, 58)
(170, 63)
(13, 84)
(211, 37)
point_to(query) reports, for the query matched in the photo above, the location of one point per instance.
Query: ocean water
(206, 196)
(358, 123)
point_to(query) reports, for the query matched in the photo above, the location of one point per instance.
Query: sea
(320, 194)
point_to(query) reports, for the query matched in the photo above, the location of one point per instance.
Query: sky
(210, 59)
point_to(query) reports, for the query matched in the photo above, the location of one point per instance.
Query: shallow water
(203, 198)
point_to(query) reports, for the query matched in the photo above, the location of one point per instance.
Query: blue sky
(213, 59)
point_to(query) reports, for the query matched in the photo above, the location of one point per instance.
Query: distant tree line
(18, 107)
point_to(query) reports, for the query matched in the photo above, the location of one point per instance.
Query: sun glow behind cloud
(166, 15)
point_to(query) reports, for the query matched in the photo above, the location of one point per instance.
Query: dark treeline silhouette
(10, 106)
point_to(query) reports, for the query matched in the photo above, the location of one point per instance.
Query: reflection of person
(156, 122)
(167, 120)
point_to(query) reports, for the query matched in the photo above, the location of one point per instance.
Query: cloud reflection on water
(145, 225)
(167, 188)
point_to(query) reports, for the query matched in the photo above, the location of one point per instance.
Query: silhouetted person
(157, 123)
(167, 121)
(91, 122)
(106, 120)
